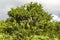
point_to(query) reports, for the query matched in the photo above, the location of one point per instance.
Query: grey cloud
(5, 6)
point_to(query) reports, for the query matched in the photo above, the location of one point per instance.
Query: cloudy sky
(51, 6)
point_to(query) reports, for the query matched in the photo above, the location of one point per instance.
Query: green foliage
(29, 22)
(32, 11)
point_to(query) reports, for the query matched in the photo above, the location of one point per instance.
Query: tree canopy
(29, 22)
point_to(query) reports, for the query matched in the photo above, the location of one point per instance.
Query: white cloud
(55, 18)
(52, 6)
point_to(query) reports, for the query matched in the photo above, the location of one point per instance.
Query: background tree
(29, 22)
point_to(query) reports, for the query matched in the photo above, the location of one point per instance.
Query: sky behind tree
(51, 6)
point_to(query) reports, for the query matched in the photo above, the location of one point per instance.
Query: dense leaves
(29, 22)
